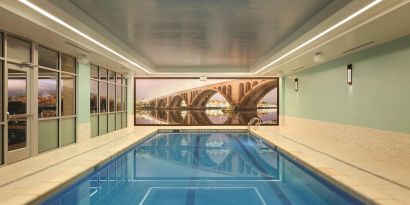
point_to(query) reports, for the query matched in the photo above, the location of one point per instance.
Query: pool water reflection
(202, 168)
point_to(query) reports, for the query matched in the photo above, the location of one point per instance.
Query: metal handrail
(258, 123)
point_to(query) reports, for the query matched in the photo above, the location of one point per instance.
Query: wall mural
(215, 101)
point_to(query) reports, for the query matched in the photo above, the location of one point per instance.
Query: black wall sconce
(296, 85)
(349, 74)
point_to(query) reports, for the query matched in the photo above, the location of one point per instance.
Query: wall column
(130, 100)
(83, 102)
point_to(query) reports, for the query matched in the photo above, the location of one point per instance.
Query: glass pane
(67, 131)
(111, 122)
(67, 95)
(94, 96)
(94, 125)
(103, 96)
(118, 123)
(1, 145)
(47, 57)
(124, 119)
(17, 92)
(47, 135)
(119, 78)
(1, 48)
(124, 80)
(102, 124)
(18, 49)
(124, 98)
(111, 76)
(67, 63)
(119, 104)
(47, 93)
(94, 71)
(1, 92)
(103, 73)
(17, 130)
(111, 97)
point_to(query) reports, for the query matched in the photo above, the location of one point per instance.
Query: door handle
(14, 116)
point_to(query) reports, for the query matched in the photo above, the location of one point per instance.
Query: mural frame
(198, 78)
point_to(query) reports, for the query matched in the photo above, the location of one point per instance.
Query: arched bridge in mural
(240, 94)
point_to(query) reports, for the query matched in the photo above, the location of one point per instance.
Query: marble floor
(371, 163)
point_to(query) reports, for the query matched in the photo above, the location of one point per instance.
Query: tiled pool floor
(346, 160)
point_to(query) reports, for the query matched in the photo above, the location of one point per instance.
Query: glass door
(18, 112)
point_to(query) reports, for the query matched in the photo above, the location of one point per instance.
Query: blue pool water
(202, 169)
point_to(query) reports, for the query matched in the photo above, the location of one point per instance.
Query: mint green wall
(83, 93)
(379, 97)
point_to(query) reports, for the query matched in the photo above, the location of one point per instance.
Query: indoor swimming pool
(202, 169)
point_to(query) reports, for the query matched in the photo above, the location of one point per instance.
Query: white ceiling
(201, 34)
(191, 38)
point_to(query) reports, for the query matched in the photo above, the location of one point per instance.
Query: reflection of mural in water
(213, 153)
(228, 102)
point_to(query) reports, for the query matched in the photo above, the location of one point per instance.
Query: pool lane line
(282, 197)
(190, 197)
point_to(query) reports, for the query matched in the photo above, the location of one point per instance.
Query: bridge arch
(252, 98)
(203, 97)
(161, 103)
(176, 101)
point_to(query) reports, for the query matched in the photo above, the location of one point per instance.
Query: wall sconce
(296, 85)
(349, 74)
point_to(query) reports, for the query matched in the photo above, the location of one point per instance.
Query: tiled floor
(373, 163)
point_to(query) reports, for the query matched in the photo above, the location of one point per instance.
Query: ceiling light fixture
(61, 22)
(374, 3)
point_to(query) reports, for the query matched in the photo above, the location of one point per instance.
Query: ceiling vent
(357, 47)
(294, 70)
(78, 47)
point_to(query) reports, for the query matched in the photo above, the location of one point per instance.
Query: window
(94, 96)
(56, 99)
(102, 91)
(111, 97)
(18, 49)
(102, 73)
(106, 100)
(67, 64)
(1, 45)
(47, 93)
(94, 72)
(47, 57)
(67, 95)
(119, 98)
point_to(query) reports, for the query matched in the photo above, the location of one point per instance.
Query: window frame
(117, 82)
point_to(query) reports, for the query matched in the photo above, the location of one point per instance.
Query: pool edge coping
(343, 186)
